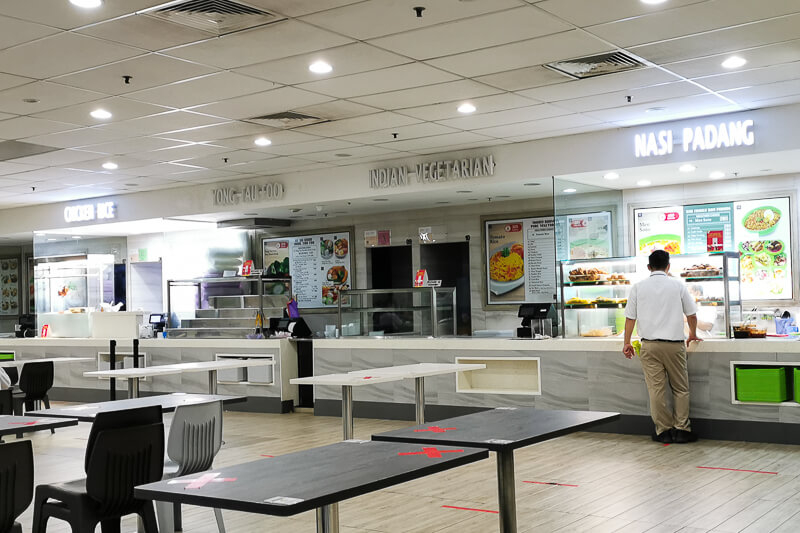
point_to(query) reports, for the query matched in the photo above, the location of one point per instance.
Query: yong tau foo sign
(87, 212)
(245, 194)
(712, 136)
(435, 171)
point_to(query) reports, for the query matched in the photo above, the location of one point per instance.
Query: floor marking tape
(550, 483)
(737, 470)
(469, 509)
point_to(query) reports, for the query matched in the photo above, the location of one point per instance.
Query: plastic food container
(766, 384)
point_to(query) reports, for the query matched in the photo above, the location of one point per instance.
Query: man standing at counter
(659, 304)
(5, 381)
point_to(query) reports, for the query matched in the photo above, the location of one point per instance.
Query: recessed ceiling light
(687, 167)
(320, 67)
(463, 192)
(110, 165)
(101, 114)
(717, 175)
(653, 2)
(466, 108)
(570, 190)
(734, 62)
(86, 4)
(611, 176)
(644, 183)
(77, 237)
(262, 141)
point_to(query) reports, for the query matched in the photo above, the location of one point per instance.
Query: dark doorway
(449, 262)
(389, 267)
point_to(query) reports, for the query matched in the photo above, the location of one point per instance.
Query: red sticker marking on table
(434, 429)
(469, 509)
(368, 377)
(24, 423)
(549, 483)
(433, 453)
(737, 470)
(202, 481)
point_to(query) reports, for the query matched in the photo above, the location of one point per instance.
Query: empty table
(55, 360)
(168, 402)
(11, 425)
(347, 382)
(134, 374)
(501, 430)
(318, 479)
(418, 372)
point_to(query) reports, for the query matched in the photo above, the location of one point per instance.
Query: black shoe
(664, 438)
(684, 437)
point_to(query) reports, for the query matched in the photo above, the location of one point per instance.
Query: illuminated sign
(697, 139)
(87, 212)
(433, 172)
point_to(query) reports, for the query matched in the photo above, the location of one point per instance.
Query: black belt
(660, 340)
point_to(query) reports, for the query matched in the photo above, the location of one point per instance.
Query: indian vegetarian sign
(432, 172)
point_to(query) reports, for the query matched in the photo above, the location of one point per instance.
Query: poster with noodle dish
(520, 258)
(763, 238)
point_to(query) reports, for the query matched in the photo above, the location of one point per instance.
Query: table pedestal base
(133, 388)
(347, 412)
(328, 519)
(506, 492)
(419, 399)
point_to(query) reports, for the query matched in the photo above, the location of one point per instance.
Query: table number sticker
(505, 408)
(498, 441)
(357, 441)
(284, 500)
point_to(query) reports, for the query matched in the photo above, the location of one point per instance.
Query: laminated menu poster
(763, 238)
(659, 228)
(589, 235)
(9, 286)
(318, 264)
(520, 260)
(708, 228)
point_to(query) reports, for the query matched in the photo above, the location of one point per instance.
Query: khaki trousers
(662, 363)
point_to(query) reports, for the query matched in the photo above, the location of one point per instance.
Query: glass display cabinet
(594, 292)
(77, 281)
(419, 312)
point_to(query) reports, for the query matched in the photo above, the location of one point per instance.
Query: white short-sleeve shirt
(658, 304)
(5, 381)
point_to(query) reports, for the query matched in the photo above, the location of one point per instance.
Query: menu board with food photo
(659, 228)
(318, 264)
(9, 287)
(763, 238)
(520, 254)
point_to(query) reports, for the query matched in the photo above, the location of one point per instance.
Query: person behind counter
(659, 304)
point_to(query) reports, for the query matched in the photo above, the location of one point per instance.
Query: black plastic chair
(16, 483)
(35, 381)
(121, 459)
(6, 403)
(140, 416)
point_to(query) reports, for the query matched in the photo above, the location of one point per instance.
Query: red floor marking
(368, 377)
(737, 470)
(267, 455)
(469, 509)
(433, 453)
(668, 444)
(550, 483)
(434, 429)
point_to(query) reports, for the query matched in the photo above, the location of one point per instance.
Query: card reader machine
(538, 319)
(159, 322)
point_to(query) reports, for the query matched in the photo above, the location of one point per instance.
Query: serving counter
(579, 374)
(266, 392)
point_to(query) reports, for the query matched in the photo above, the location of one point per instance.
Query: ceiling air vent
(599, 65)
(217, 17)
(287, 120)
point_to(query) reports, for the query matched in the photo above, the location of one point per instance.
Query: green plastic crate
(797, 385)
(755, 384)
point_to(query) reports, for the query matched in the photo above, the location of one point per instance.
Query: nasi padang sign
(246, 194)
(433, 172)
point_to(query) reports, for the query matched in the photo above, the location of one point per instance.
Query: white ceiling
(191, 94)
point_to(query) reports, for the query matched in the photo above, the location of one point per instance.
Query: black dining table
(15, 425)
(500, 430)
(314, 479)
(169, 402)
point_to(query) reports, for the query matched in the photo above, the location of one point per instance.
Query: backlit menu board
(319, 266)
(520, 261)
(9, 286)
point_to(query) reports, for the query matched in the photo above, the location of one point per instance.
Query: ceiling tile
(145, 32)
(441, 92)
(147, 71)
(311, 147)
(749, 78)
(485, 104)
(278, 138)
(96, 165)
(121, 108)
(179, 153)
(786, 52)
(157, 169)
(236, 157)
(522, 78)
(462, 146)
(559, 133)
(366, 20)
(509, 116)
(350, 126)
(219, 131)
(536, 126)
(584, 13)
(538, 51)
(411, 145)
(637, 96)
(356, 152)
(162, 123)
(473, 33)
(600, 85)
(695, 18)
(377, 81)
(345, 60)
(414, 131)
(64, 177)
(59, 157)
(255, 105)
(21, 127)
(132, 146)
(80, 137)
(202, 90)
(15, 31)
(258, 45)
(675, 109)
(64, 15)
(296, 8)
(753, 95)
(61, 54)
(270, 165)
(337, 109)
(49, 96)
(9, 169)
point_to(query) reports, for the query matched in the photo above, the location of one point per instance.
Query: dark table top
(506, 428)
(11, 425)
(169, 402)
(297, 482)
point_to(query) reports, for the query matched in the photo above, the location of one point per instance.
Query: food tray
(580, 306)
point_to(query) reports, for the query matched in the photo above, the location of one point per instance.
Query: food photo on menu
(506, 266)
(334, 249)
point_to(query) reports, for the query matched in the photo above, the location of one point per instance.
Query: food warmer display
(418, 311)
(594, 292)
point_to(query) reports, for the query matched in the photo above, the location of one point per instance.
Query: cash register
(538, 321)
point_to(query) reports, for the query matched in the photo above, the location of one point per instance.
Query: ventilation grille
(287, 120)
(599, 65)
(217, 17)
